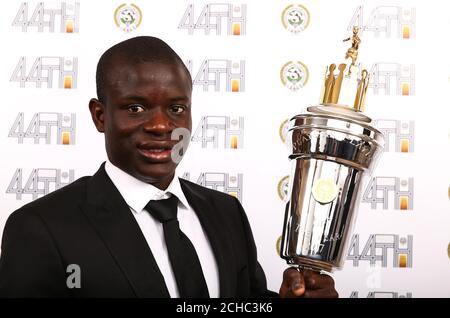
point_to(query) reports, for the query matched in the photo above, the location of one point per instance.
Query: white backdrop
(401, 245)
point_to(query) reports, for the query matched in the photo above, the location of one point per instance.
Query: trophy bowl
(332, 154)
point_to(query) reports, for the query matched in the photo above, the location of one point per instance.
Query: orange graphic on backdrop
(235, 85)
(403, 203)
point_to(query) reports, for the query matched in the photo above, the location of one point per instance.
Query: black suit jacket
(89, 224)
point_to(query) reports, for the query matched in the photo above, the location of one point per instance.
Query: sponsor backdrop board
(254, 64)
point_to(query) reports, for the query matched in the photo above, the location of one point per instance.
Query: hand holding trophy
(334, 148)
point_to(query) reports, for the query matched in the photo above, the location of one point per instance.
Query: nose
(158, 123)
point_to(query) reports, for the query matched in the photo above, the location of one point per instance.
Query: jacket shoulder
(59, 200)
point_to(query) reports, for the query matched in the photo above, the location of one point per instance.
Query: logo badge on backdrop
(294, 75)
(387, 250)
(283, 188)
(382, 294)
(389, 21)
(128, 17)
(283, 130)
(295, 18)
(45, 127)
(40, 182)
(399, 134)
(45, 70)
(392, 79)
(383, 190)
(278, 246)
(219, 75)
(62, 16)
(220, 132)
(229, 183)
(215, 17)
(448, 250)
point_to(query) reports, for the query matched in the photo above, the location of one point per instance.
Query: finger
(321, 293)
(297, 285)
(319, 285)
(316, 280)
(293, 283)
(284, 289)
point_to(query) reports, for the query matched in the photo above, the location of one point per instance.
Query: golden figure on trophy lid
(353, 51)
(347, 86)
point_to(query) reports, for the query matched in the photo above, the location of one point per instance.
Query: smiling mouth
(162, 154)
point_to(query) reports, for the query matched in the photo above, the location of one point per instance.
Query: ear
(97, 110)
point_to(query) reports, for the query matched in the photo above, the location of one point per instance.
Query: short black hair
(136, 50)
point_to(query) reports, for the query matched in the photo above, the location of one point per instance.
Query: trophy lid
(339, 111)
(344, 85)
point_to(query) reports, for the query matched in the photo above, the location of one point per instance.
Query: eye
(135, 108)
(177, 109)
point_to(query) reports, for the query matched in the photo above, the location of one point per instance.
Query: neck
(162, 184)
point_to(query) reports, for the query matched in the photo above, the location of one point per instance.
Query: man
(110, 227)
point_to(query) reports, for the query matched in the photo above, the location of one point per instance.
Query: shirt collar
(137, 193)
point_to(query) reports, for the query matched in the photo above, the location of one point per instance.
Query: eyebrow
(134, 98)
(180, 98)
(143, 99)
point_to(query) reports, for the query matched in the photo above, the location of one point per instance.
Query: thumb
(293, 283)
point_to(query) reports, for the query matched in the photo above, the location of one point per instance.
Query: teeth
(157, 150)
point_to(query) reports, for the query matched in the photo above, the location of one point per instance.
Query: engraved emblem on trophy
(333, 151)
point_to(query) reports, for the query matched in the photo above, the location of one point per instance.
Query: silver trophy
(334, 149)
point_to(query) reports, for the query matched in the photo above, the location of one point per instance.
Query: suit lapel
(114, 223)
(213, 227)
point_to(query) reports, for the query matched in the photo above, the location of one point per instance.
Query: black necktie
(183, 257)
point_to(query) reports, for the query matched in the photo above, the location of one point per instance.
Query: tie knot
(163, 210)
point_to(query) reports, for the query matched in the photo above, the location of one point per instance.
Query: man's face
(143, 104)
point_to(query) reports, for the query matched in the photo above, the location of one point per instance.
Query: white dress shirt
(137, 194)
